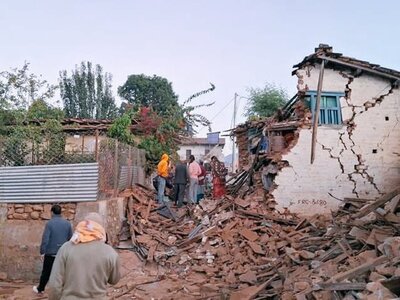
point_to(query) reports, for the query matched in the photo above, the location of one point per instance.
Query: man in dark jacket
(180, 181)
(56, 233)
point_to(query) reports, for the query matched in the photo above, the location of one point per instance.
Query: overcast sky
(233, 44)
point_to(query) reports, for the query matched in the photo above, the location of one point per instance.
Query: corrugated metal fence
(129, 175)
(49, 183)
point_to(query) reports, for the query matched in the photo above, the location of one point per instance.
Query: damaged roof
(326, 52)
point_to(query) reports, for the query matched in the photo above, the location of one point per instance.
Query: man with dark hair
(56, 233)
(194, 172)
(180, 181)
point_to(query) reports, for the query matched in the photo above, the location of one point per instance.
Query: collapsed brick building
(241, 247)
(357, 142)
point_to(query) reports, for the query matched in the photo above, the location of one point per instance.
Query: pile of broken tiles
(245, 250)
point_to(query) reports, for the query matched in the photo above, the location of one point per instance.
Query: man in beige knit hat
(85, 264)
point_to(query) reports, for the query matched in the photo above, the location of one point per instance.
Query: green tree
(41, 110)
(24, 98)
(87, 93)
(264, 102)
(19, 88)
(157, 133)
(121, 129)
(154, 92)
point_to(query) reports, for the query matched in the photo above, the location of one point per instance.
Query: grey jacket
(181, 174)
(82, 271)
(56, 233)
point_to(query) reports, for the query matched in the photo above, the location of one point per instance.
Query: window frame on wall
(327, 114)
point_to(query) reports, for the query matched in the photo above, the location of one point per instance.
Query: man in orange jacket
(162, 172)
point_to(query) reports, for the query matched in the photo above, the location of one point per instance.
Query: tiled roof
(338, 59)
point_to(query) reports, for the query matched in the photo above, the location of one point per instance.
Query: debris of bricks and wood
(243, 249)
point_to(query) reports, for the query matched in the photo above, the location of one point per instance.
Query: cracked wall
(359, 159)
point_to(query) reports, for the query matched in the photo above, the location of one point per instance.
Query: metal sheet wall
(49, 183)
(127, 179)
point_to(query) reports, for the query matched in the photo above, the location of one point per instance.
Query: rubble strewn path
(241, 249)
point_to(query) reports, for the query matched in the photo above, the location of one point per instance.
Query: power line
(217, 114)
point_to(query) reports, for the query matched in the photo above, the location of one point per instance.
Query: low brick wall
(38, 211)
(22, 225)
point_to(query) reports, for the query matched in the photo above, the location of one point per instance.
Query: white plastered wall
(360, 161)
(199, 151)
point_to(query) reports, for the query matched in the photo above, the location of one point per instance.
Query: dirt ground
(138, 281)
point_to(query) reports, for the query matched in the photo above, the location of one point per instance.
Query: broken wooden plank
(340, 286)
(317, 111)
(208, 232)
(359, 234)
(392, 205)
(353, 273)
(267, 216)
(301, 223)
(378, 235)
(379, 202)
(362, 200)
(344, 245)
(242, 203)
(251, 292)
(152, 250)
(146, 216)
(391, 218)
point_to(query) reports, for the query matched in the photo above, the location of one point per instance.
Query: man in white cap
(84, 265)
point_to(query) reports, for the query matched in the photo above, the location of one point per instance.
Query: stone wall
(22, 225)
(113, 212)
(38, 211)
(359, 159)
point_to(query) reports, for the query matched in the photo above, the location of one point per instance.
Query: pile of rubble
(246, 251)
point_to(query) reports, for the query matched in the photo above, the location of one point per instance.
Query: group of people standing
(189, 179)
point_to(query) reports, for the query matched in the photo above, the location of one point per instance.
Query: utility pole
(233, 138)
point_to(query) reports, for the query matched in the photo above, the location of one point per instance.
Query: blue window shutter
(330, 110)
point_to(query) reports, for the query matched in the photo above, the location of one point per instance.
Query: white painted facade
(199, 151)
(360, 161)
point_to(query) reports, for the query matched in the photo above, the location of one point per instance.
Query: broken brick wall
(358, 159)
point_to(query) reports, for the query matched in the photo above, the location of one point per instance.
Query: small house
(202, 148)
(308, 159)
